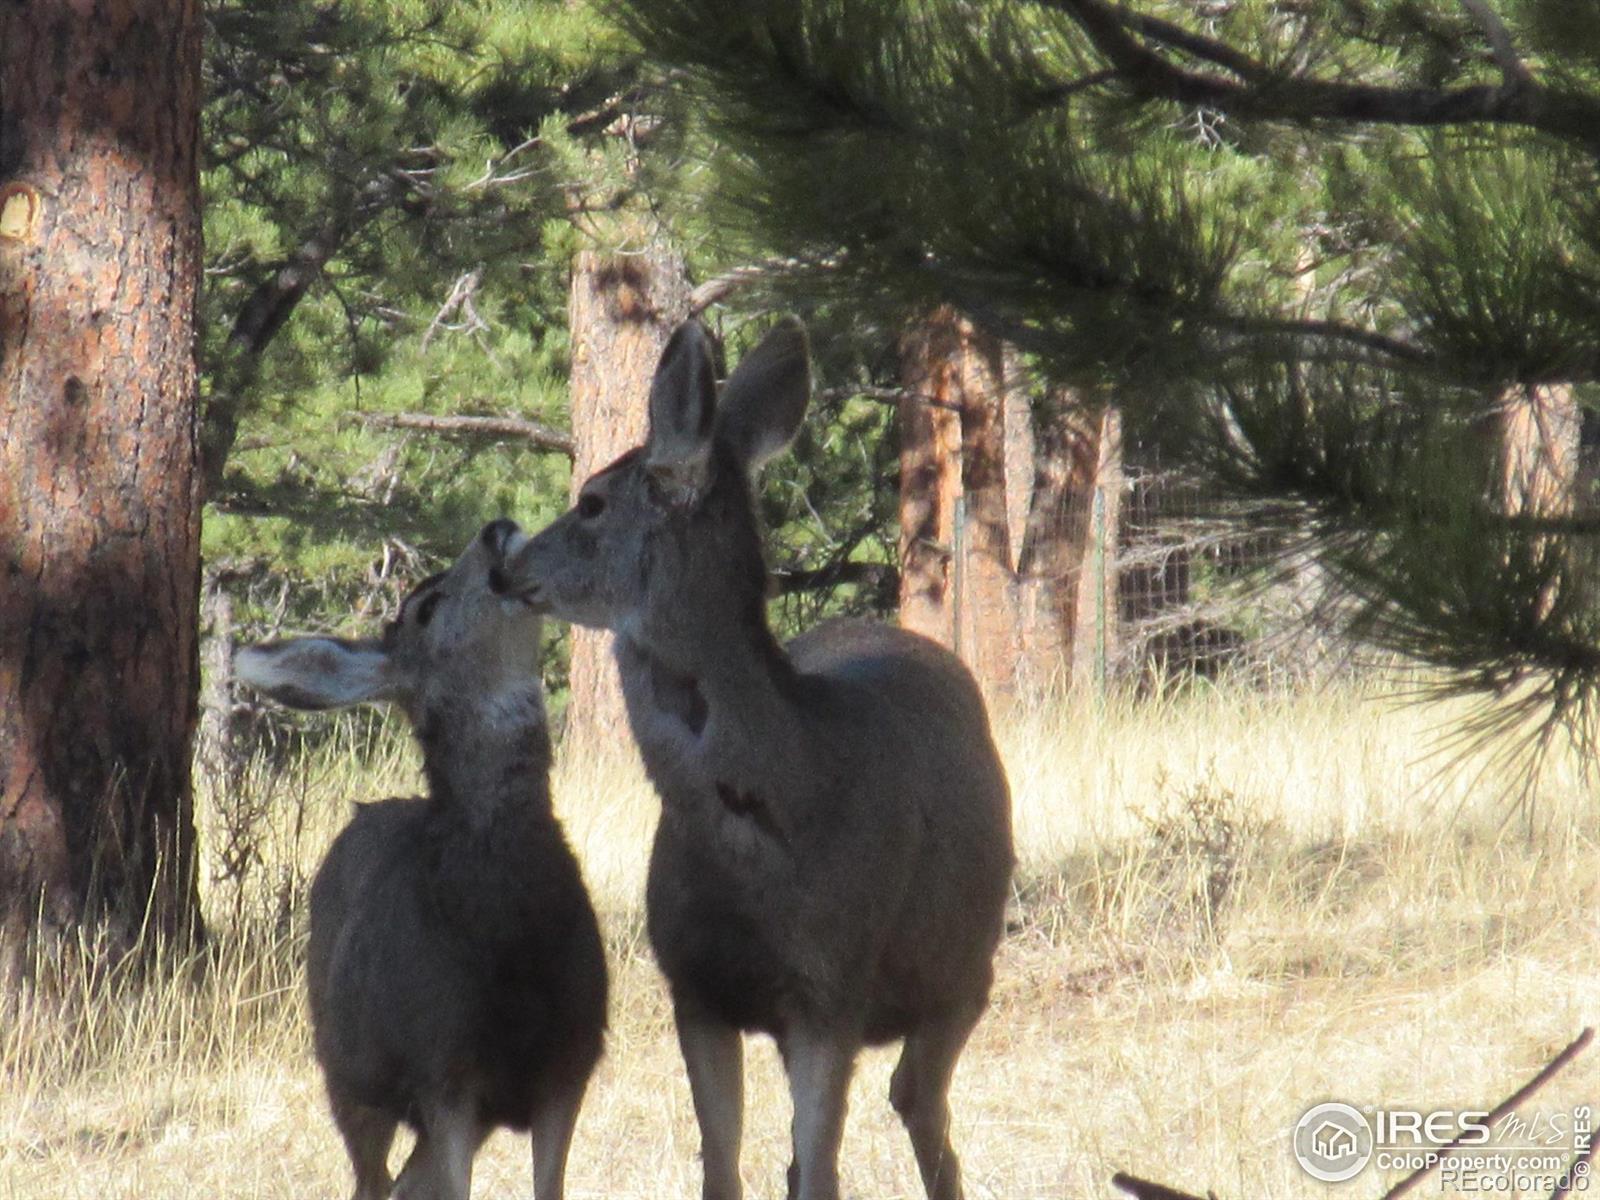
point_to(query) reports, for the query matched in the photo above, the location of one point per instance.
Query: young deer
(455, 967)
(834, 852)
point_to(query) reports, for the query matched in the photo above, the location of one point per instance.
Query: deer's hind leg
(440, 1166)
(368, 1133)
(920, 1093)
(551, 1136)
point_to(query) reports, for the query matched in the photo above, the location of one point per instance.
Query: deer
(834, 854)
(455, 968)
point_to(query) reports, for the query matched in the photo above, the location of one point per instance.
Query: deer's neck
(712, 691)
(487, 757)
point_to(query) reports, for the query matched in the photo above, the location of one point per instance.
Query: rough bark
(1021, 590)
(930, 479)
(1067, 572)
(99, 473)
(956, 583)
(987, 628)
(1538, 431)
(623, 307)
(1095, 433)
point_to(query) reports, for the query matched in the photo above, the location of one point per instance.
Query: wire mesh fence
(1150, 575)
(1204, 587)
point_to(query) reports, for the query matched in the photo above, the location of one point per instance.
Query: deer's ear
(683, 401)
(765, 399)
(317, 672)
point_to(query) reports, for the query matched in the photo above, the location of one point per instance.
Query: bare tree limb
(459, 299)
(886, 395)
(1549, 1072)
(1512, 68)
(713, 291)
(539, 435)
(880, 577)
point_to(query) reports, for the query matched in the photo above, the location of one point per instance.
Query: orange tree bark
(622, 308)
(953, 445)
(1538, 430)
(930, 478)
(99, 500)
(1019, 602)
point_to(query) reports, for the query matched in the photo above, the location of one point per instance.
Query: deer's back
(439, 960)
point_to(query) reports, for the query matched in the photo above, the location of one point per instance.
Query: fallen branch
(537, 434)
(1551, 1069)
(1143, 1189)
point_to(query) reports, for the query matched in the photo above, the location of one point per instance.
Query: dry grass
(1228, 907)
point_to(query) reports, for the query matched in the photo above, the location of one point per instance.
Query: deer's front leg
(819, 1065)
(714, 1056)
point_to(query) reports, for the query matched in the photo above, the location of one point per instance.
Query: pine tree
(1338, 257)
(99, 475)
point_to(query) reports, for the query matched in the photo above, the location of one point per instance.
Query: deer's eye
(425, 609)
(590, 506)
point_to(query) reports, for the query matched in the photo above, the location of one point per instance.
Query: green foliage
(1308, 249)
(382, 184)
(393, 196)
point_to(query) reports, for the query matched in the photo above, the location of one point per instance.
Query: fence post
(1098, 524)
(958, 574)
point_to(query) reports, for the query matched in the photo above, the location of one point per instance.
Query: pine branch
(1261, 92)
(1512, 68)
(535, 433)
(267, 309)
(1310, 329)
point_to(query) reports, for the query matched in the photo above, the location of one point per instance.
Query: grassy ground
(1229, 907)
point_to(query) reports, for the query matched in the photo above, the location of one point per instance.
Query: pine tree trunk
(1096, 488)
(623, 308)
(956, 577)
(930, 480)
(987, 632)
(1067, 574)
(99, 495)
(1008, 526)
(1538, 430)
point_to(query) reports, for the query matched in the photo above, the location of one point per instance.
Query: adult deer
(834, 852)
(455, 967)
